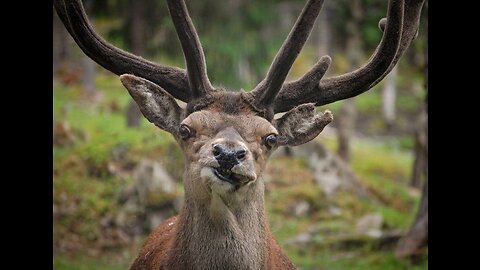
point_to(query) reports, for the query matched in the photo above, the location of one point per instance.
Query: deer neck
(223, 231)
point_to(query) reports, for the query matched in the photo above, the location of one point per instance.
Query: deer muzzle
(228, 157)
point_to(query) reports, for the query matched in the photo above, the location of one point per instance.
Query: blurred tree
(324, 30)
(61, 50)
(345, 128)
(417, 237)
(389, 95)
(89, 66)
(420, 150)
(346, 119)
(88, 78)
(133, 114)
(136, 25)
(419, 58)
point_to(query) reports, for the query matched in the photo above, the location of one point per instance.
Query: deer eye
(184, 132)
(270, 140)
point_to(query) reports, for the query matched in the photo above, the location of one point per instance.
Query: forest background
(354, 198)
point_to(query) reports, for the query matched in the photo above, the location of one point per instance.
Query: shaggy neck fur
(221, 232)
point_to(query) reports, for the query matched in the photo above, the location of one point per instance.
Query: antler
(400, 29)
(182, 85)
(192, 49)
(266, 91)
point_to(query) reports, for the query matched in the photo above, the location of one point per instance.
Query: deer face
(226, 148)
(226, 140)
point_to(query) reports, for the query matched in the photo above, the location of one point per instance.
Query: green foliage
(362, 260)
(372, 34)
(85, 189)
(65, 263)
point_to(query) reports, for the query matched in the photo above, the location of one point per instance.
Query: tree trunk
(389, 95)
(324, 31)
(88, 79)
(420, 166)
(413, 242)
(420, 151)
(346, 118)
(136, 29)
(346, 121)
(134, 115)
(60, 43)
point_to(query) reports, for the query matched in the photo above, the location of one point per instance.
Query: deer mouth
(226, 175)
(229, 176)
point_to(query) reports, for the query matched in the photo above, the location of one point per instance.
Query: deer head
(227, 136)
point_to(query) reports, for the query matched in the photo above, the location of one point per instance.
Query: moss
(158, 198)
(84, 263)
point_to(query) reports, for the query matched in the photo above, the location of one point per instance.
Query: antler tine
(72, 14)
(192, 49)
(411, 21)
(266, 91)
(399, 30)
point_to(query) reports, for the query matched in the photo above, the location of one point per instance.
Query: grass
(356, 260)
(86, 187)
(84, 263)
(384, 168)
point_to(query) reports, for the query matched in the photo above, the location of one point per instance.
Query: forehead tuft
(231, 103)
(211, 121)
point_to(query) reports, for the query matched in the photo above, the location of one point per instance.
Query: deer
(227, 136)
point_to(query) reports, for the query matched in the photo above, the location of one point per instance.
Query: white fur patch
(218, 186)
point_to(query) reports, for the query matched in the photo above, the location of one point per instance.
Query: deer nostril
(217, 150)
(240, 154)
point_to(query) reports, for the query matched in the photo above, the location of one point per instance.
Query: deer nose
(228, 157)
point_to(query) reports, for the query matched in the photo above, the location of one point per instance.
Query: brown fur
(220, 226)
(155, 250)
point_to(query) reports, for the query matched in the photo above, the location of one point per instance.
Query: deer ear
(158, 106)
(301, 124)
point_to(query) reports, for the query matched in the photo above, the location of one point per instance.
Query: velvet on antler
(183, 85)
(400, 28)
(192, 49)
(272, 95)
(265, 92)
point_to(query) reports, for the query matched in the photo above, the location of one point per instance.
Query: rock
(370, 225)
(330, 172)
(301, 208)
(148, 201)
(325, 172)
(156, 218)
(119, 151)
(151, 182)
(303, 238)
(335, 211)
